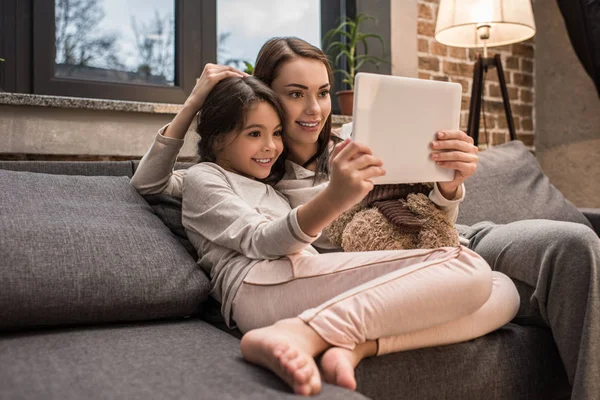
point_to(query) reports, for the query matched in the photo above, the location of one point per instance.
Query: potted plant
(342, 47)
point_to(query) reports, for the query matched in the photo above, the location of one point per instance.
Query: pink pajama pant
(404, 299)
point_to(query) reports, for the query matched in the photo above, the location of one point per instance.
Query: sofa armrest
(593, 215)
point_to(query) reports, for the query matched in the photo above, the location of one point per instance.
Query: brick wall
(454, 64)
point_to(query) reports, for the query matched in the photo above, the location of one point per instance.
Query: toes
(280, 350)
(309, 389)
(307, 380)
(297, 363)
(296, 368)
(315, 384)
(302, 375)
(287, 356)
(287, 361)
(303, 390)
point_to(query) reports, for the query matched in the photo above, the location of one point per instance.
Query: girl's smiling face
(302, 85)
(252, 151)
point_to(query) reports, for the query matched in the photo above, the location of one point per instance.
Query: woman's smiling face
(303, 87)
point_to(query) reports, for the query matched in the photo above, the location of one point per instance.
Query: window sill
(37, 100)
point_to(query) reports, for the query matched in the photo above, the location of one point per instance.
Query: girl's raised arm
(155, 173)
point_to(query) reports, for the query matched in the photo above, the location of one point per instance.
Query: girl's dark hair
(276, 52)
(225, 110)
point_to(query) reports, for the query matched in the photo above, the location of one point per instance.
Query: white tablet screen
(398, 118)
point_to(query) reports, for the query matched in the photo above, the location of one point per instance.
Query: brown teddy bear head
(393, 217)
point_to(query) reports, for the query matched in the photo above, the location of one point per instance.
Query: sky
(249, 22)
(118, 17)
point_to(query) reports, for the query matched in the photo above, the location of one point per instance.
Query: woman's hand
(454, 150)
(211, 74)
(352, 167)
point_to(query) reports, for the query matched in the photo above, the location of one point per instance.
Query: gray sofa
(100, 297)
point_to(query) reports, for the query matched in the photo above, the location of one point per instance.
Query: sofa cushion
(168, 209)
(162, 361)
(510, 186)
(514, 362)
(78, 249)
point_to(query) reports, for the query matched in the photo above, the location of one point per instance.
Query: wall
(403, 37)
(567, 110)
(36, 127)
(30, 132)
(439, 62)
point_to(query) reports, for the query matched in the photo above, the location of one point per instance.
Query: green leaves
(2, 59)
(348, 79)
(249, 68)
(342, 44)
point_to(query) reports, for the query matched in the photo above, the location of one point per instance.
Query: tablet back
(398, 118)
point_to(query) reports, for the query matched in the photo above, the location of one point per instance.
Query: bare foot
(269, 348)
(338, 364)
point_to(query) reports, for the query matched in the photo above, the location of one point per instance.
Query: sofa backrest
(509, 186)
(86, 168)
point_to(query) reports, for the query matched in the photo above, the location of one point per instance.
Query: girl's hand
(454, 150)
(352, 167)
(211, 74)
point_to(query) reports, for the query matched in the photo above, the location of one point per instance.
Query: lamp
(485, 23)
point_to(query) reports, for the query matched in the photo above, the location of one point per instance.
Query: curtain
(582, 19)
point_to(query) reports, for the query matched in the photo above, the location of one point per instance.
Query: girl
(293, 302)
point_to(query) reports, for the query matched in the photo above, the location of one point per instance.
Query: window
(112, 49)
(147, 50)
(112, 42)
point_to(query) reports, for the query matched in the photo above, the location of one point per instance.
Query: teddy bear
(394, 217)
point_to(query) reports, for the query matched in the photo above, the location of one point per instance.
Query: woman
(300, 75)
(556, 265)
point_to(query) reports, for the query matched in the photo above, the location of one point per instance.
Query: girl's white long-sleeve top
(232, 221)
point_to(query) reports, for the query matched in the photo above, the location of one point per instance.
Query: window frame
(332, 13)
(191, 37)
(15, 46)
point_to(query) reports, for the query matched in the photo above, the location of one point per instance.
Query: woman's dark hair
(276, 52)
(225, 110)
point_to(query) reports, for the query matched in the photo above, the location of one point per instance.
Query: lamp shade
(510, 21)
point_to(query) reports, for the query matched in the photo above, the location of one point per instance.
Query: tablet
(398, 118)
